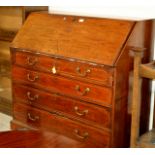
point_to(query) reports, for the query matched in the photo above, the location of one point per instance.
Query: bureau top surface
(89, 39)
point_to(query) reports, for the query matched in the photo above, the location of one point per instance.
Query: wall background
(128, 9)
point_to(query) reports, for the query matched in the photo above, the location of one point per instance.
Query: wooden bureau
(70, 75)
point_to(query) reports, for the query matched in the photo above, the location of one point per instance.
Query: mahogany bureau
(70, 76)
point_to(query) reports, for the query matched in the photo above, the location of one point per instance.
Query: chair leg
(136, 100)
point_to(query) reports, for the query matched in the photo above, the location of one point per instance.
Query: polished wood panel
(51, 122)
(37, 139)
(120, 108)
(88, 113)
(72, 37)
(88, 72)
(68, 87)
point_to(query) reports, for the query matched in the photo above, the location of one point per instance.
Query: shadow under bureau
(70, 76)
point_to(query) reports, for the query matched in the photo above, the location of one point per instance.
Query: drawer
(84, 91)
(45, 121)
(88, 72)
(86, 112)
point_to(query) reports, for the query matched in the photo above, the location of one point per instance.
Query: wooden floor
(4, 122)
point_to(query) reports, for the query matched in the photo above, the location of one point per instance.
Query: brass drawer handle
(29, 95)
(32, 79)
(78, 70)
(31, 61)
(83, 136)
(32, 118)
(80, 113)
(77, 87)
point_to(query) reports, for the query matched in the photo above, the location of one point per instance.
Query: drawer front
(95, 115)
(43, 120)
(72, 68)
(87, 92)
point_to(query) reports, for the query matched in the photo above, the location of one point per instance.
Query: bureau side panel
(120, 137)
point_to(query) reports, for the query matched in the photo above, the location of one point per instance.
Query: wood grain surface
(85, 112)
(65, 86)
(45, 121)
(70, 36)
